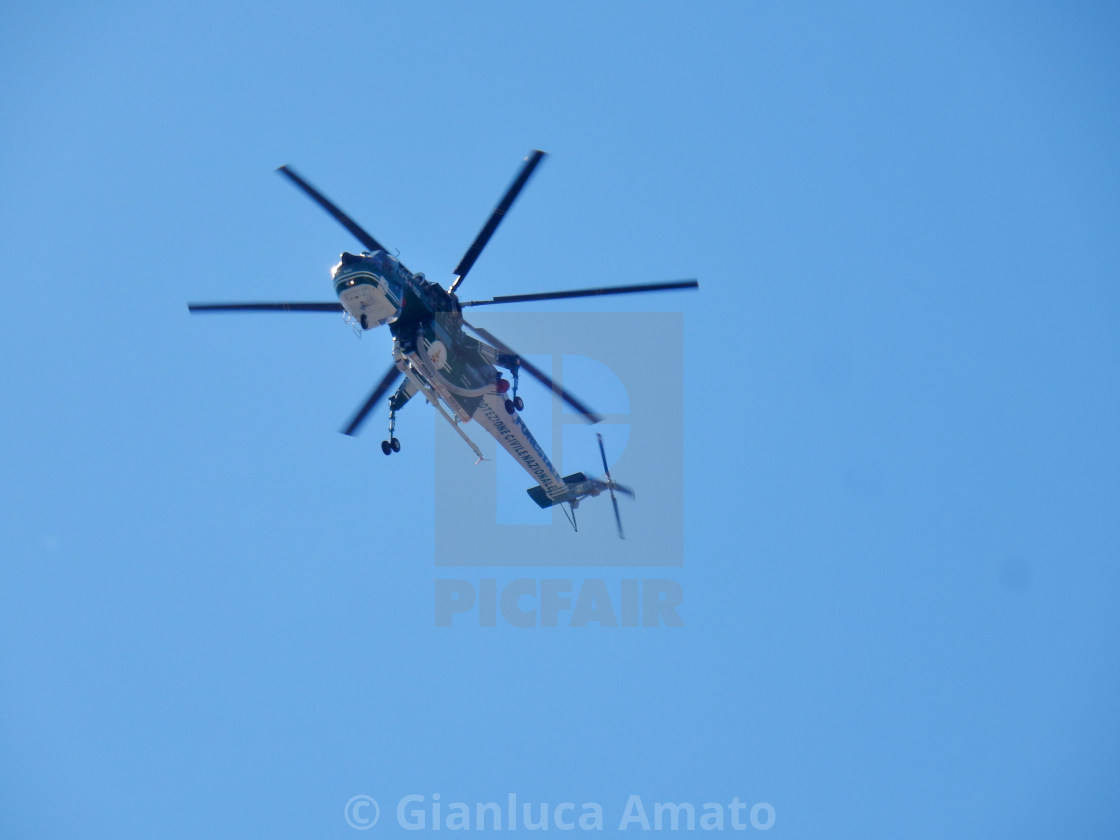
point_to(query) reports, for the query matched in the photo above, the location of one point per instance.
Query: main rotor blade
(538, 374)
(386, 383)
(265, 307)
(575, 293)
(324, 202)
(495, 218)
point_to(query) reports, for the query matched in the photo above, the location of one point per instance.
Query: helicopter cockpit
(370, 287)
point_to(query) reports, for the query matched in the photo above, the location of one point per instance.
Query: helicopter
(457, 367)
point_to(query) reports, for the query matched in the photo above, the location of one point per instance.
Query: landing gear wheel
(509, 406)
(518, 403)
(395, 445)
(387, 447)
(365, 322)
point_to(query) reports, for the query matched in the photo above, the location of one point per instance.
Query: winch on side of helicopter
(457, 373)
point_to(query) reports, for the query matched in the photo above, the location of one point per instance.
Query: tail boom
(578, 486)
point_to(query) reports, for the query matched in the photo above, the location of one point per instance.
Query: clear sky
(889, 443)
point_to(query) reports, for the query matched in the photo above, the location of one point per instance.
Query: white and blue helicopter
(457, 373)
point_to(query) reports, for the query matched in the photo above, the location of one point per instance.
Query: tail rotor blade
(617, 515)
(623, 489)
(495, 219)
(324, 202)
(383, 386)
(610, 486)
(603, 455)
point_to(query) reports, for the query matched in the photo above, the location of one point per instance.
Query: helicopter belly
(368, 306)
(514, 436)
(456, 385)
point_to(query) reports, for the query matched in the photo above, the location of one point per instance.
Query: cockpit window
(383, 264)
(378, 269)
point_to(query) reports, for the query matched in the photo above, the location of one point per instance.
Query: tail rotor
(611, 486)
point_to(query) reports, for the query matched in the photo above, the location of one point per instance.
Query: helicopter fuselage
(457, 373)
(439, 359)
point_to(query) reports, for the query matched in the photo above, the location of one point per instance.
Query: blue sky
(899, 408)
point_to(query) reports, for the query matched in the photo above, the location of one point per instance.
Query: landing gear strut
(516, 403)
(392, 444)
